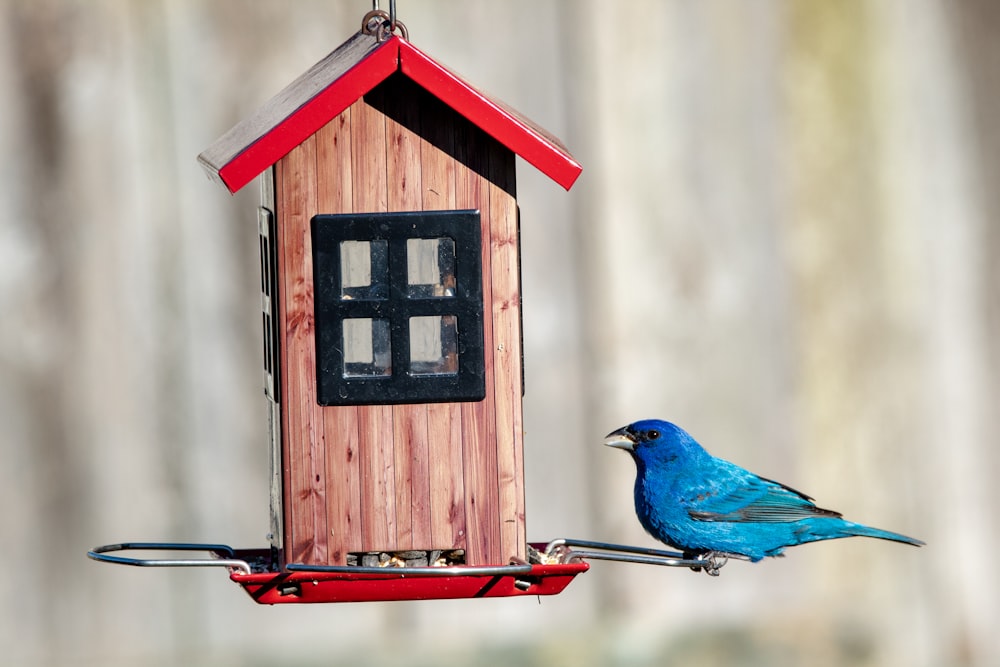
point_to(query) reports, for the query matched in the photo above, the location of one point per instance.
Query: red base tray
(396, 584)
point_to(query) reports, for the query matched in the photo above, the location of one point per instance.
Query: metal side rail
(427, 571)
(221, 555)
(566, 550)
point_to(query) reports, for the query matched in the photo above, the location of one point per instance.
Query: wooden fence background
(784, 239)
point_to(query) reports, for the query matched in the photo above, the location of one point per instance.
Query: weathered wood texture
(420, 476)
(243, 151)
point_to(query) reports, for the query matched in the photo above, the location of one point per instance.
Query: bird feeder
(389, 241)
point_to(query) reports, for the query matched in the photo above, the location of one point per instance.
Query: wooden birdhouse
(392, 308)
(389, 239)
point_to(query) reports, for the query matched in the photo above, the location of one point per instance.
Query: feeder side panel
(507, 352)
(271, 326)
(340, 424)
(302, 422)
(378, 484)
(410, 422)
(438, 126)
(406, 476)
(482, 494)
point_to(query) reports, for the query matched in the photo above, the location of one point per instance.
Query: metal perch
(565, 550)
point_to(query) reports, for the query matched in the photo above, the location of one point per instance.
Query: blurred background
(785, 239)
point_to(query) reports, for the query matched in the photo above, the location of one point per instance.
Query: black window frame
(334, 387)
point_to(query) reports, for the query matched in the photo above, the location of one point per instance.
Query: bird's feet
(711, 561)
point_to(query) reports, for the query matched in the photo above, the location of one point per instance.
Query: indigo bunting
(706, 506)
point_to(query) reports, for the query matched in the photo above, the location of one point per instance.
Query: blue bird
(706, 506)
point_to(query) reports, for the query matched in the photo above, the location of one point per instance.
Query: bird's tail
(866, 531)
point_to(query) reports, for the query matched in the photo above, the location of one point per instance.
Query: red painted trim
(500, 123)
(311, 116)
(503, 124)
(315, 587)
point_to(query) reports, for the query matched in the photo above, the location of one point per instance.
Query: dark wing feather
(746, 497)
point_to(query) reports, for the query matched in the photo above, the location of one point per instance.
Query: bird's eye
(652, 435)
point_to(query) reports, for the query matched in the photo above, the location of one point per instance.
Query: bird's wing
(741, 496)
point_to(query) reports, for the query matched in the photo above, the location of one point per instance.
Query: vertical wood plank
(368, 157)
(288, 447)
(305, 466)
(409, 421)
(409, 451)
(378, 484)
(446, 475)
(507, 353)
(478, 426)
(340, 424)
(334, 172)
(446, 467)
(343, 483)
(403, 160)
(378, 492)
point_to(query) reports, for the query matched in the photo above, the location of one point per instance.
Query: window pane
(364, 269)
(430, 267)
(434, 345)
(386, 282)
(366, 347)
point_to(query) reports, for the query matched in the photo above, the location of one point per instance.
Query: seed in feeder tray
(413, 558)
(454, 557)
(409, 558)
(536, 557)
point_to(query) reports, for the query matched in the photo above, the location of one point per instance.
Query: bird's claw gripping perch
(712, 562)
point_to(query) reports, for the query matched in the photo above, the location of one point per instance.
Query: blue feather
(693, 501)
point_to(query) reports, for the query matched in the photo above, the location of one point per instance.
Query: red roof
(337, 81)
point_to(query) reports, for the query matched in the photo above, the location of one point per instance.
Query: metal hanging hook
(383, 25)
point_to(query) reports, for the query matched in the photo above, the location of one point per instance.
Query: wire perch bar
(561, 551)
(221, 555)
(566, 549)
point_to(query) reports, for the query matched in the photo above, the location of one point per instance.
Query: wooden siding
(417, 476)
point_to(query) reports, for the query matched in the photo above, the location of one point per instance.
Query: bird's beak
(620, 439)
